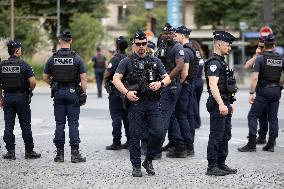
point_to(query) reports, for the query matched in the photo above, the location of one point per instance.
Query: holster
(173, 87)
(54, 88)
(109, 87)
(82, 95)
(211, 102)
(29, 96)
(125, 103)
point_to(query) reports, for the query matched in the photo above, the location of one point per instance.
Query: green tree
(88, 33)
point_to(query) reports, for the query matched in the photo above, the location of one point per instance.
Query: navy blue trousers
(144, 114)
(16, 103)
(99, 79)
(198, 89)
(66, 105)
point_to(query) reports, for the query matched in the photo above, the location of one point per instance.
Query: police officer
(144, 76)
(171, 54)
(221, 88)
(17, 82)
(266, 75)
(117, 112)
(182, 134)
(64, 71)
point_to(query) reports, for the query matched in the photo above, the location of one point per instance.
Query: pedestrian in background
(99, 66)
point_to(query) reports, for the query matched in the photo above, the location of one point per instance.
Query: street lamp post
(12, 21)
(149, 5)
(58, 18)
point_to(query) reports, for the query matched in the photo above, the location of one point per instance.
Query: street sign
(173, 13)
(265, 30)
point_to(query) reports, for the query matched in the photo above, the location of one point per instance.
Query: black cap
(269, 38)
(14, 44)
(121, 43)
(183, 30)
(151, 45)
(168, 28)
(65, 36)
(223, 36)
(139, 35)
(119, 39)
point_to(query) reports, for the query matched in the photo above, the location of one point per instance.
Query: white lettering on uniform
(11, 69)
(63, 61)
(273, 62)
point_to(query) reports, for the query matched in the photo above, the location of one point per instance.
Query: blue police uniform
(144, 112)
(66, 99)
(220, 125)
(117, 112)
(99, 66)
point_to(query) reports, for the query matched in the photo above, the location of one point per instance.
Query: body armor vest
(64, 69)
(193, 65)
(100, 61)
(169, 60)
(272, 68)
(144, 72)
(12, 76)
(120, 56)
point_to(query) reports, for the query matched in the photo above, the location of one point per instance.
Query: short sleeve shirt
(214, 67)
(77, 61)
(113, 63)
(26, 69)
(178, 51)
(259, 62)
(188, 55)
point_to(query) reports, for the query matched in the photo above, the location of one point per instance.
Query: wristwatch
(251, 93)
(162, 83)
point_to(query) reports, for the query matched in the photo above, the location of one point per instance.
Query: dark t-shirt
(259, 62)
(188, 55)
(99, 61)
(214, 67)
(77, 61)
(114, 61)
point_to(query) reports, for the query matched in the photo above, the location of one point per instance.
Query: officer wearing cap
(171, 53)
(143, 77)
(64, 71)
(17, 82)
(116, 110)
(221, 87)
(266, 75)
(182, 135)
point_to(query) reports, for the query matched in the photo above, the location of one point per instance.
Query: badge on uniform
(213, 68)
(109, 65)
(72, 90)
(181, 52)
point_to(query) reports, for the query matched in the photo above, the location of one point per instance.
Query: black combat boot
(76, 157)
(214, 170)
(177, 152)
(144, 145)
(166, 148)
(30, 154)
(261, 139)
(116, 145)
(189, 149)
(157, 156)
(136, 172)
(224, 167)
(10, 155)
(125, 145)
(269, 147)
(147, 164)
(250, 146)
(60, 155)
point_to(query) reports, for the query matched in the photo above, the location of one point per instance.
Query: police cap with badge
(223, 36)
(65, 36)
(270, 39)
(139, 35)
(121, 43)
(12, 45)
(183, 30)
(168, 28)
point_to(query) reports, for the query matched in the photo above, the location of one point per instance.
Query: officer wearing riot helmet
(266, 75)
(143, 77)
(117, 112)
(221, 87)
(182, 134)
(17, 82)
(64, 71)
(171, 54)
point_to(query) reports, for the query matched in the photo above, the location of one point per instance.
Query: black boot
(144, 145)
(158, 156)
(166, 148)
(147, 164)
(10, 155)
(136, 172)
(224, 167)
(116, 145)
(270, 145)
(30, 154)
(177, 152)
(76, 157)
(250, 146)
(215, 171)
(60, 155)
(261, 139)
(125, 145)
(189, 149)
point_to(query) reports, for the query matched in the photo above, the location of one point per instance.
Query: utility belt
(60, 85)
(268, 85)
(211, 102)
(26, 92)
(14, 91)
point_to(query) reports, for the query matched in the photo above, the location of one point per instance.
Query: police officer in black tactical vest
(17, 83)
(64, 71)
(266, 75)
(221, 87)
(143, 77)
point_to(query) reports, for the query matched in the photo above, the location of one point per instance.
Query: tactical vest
(144, 72)
(100, 61)
(120, 56)
(169, 61)
(64, 69)
(272, 68)
(12, 76)
(193, 65)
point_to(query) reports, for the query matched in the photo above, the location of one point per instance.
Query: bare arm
(32, 82)
(213, 80)
(249, 63)
(131, 95)
(254, 79)
(184, 72)
(177, 70)
(46, 78)
(84, 81)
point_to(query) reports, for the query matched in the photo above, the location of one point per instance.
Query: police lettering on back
(273, 62)
(63, 61)
(11, 69)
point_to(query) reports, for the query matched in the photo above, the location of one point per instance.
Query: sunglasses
(139, 44)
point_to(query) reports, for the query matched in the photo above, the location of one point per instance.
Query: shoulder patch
(213, 68)
(109, 65)
(181, 52)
